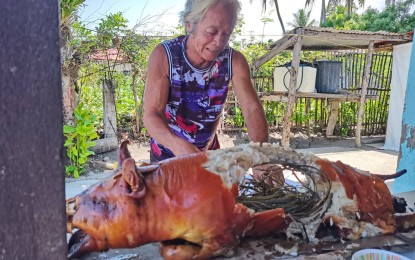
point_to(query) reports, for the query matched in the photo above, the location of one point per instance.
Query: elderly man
(188, 79)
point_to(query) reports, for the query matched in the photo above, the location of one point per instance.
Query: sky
(163, 15)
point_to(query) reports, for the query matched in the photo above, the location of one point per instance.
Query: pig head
(178, 202)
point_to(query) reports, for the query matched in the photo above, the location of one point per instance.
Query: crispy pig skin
(369, 193)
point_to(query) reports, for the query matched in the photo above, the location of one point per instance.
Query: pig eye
(100, 204)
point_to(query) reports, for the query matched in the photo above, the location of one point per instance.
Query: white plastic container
(306, 79)
(377, 254)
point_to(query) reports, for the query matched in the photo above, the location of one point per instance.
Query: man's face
(211, 35)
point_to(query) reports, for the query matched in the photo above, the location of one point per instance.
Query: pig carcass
(189, 204)
(190, 209)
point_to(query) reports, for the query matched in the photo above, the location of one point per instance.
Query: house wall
(406, 158)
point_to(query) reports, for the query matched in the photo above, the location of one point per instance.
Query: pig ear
(123, 152)
(133, 178)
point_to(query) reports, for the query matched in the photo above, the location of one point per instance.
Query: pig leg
(405, 221)
(81, 243)
(248, 223)
(268, 222)
(223, 245)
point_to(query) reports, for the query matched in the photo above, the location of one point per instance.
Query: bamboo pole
(286, 130)
(365, 84)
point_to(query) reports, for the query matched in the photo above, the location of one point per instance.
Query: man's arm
(252, 109)
(155, 99)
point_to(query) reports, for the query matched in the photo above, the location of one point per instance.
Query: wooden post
(334, 112)
(307, 112)
(110, 114)
(286, 130)
(365, 85)
(32, 175)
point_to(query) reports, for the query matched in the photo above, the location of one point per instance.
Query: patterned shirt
(196, 98)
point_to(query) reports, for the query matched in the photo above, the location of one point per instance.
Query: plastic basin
(377, 254)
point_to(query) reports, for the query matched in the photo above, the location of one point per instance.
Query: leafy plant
(79, 139)
(238, 117)
(347, 119)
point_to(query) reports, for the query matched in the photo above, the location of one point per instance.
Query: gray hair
(195, 10)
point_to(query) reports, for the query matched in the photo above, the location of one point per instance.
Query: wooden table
(334, 99)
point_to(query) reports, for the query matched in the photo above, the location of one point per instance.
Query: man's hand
(269, 173)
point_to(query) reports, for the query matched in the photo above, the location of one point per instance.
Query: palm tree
(265, 20)
(389, 2)
(277, 8)
(310, 3)
(302, 19)
(349, 4)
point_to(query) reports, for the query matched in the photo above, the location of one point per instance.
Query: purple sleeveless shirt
(196, 98)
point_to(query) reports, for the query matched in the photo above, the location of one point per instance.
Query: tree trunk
(68, 99)
(323, 12)
(349, 7)
(279, 16)
(110, 113)
(104, 145)
(70, 67)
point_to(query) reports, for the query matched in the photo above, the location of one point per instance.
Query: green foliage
(348, 115)
(134, 47)
(299, 114)
(394, 18)
(110, 27)
(90, 90)
(271, 112)
(78, 140)
(68, 8)
(237, 119)
(83, 40)
(342, 21)
(124, 100)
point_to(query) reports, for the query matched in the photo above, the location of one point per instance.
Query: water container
(306, 79)
(328, 76)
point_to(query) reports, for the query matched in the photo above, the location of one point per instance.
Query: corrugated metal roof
(317, 38)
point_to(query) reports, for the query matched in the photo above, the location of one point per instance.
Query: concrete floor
(366, 158)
